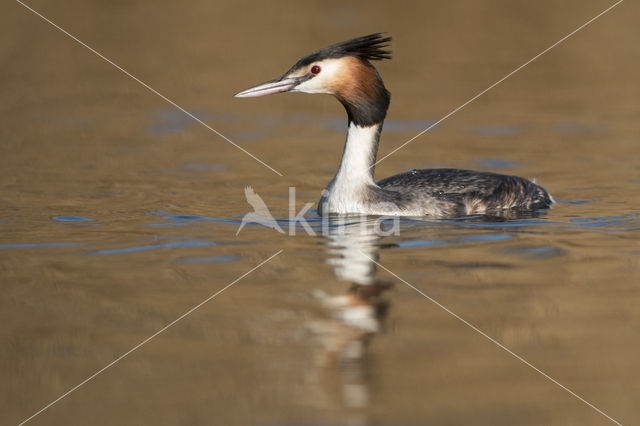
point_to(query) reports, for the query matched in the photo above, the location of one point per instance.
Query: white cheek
(322, 82)
(315, 85)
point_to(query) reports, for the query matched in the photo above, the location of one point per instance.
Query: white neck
(359, 154)
(346, 191)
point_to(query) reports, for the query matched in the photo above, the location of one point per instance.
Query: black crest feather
(371, 47)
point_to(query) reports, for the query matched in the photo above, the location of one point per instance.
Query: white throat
(346, 193)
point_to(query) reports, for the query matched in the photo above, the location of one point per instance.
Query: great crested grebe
(344, 70)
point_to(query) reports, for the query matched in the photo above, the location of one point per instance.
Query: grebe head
(343, 70)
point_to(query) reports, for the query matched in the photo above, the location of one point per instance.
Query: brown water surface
(118, 214)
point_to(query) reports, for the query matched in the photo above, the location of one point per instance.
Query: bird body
(344, 70)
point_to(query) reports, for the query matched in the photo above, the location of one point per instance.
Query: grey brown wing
(444, 181)
(472, 191)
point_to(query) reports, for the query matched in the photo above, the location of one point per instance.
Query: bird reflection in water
(354, 317)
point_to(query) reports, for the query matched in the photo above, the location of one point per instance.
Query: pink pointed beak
(279, 85)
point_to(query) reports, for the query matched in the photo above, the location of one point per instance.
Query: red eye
(315, 69)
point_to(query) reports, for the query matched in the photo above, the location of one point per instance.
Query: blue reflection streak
(177, 244)
(37, 245)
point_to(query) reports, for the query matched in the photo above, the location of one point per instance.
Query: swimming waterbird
(345, 71)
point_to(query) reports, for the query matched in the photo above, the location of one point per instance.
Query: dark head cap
(371, 47)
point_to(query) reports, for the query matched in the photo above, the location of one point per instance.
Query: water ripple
(192, 218)
(465, 239)
(72, 219)
(207, 259)
(175, 244)
(37, 245)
